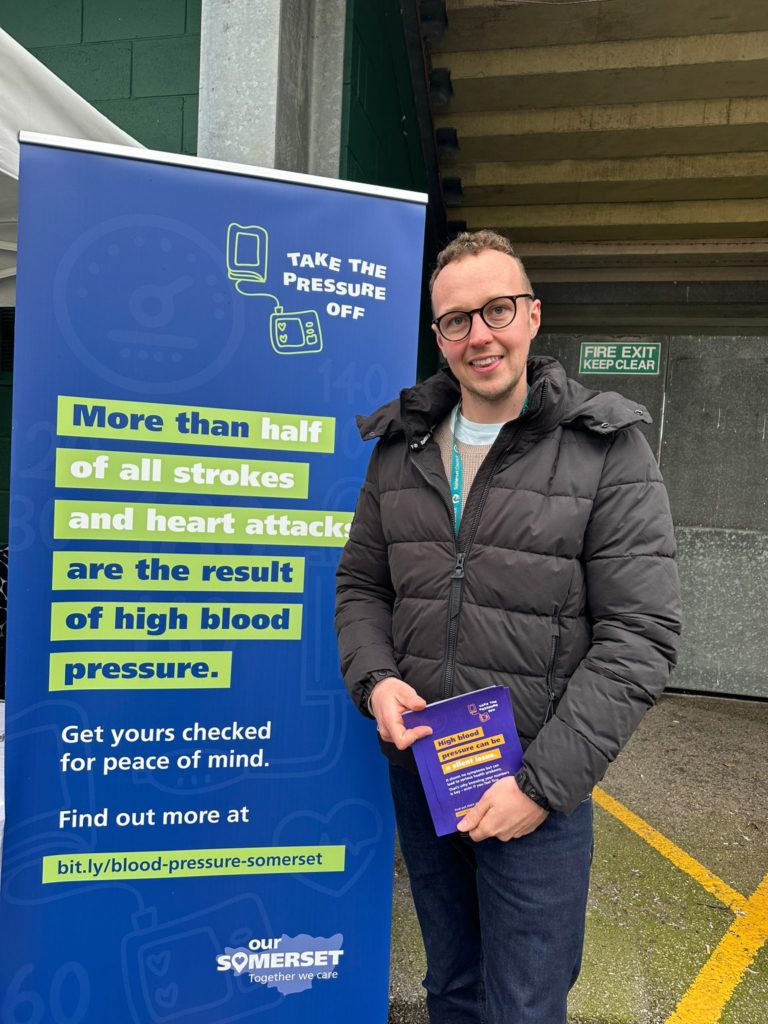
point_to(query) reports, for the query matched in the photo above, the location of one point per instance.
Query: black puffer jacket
(561, 585)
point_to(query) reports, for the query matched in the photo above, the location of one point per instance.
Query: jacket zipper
(457, 575)
(454, 611)
(554, 629)
(457, 572)
(457, 581)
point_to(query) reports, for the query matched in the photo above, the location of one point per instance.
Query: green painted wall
(136, 61)
(380, 135)
(380, 140)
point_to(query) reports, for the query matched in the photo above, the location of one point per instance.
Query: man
(513, 529)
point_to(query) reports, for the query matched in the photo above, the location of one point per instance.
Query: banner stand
(198, 825)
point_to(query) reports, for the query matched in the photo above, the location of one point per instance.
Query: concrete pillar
(271, 83)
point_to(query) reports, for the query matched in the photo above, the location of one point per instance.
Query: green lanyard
(457, 475)
(457, 467)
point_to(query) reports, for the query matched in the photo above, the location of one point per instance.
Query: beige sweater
(472, 456)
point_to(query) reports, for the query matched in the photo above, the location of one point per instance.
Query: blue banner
(198, 824)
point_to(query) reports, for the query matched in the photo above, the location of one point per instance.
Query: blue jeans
(503, 923)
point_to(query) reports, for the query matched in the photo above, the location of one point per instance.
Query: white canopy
(32, 98)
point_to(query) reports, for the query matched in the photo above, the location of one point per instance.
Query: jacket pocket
(554, 650)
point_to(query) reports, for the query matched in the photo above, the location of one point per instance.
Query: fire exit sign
(620, 357)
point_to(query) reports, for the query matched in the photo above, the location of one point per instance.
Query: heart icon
(354, 824)
(158, 963)
(167, 997)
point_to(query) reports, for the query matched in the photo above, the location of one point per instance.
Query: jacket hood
(554, 399)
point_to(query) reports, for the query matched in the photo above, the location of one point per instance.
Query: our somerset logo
(289, 963)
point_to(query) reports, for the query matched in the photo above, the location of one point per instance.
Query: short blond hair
(471, 243)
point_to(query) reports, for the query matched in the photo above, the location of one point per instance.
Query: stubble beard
(490, 397)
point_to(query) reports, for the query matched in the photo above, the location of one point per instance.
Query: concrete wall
(271, 83)
(710, 437)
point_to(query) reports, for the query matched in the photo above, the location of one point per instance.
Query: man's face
(489, 363)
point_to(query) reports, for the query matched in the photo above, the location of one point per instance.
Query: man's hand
(504, 812)
(388, 700)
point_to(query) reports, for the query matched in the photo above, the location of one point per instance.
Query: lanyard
(457, 467)
(457, 474)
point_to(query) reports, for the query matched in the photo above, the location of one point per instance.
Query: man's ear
(439, 340)
(534, 318)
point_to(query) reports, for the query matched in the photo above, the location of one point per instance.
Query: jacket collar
(416, 411)
(554, 399)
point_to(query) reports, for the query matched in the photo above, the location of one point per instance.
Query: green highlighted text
(138, 570)
(181, 424)
(81, 520)
(185, 474)
(140, 670)
(264, 860)
(83, 620)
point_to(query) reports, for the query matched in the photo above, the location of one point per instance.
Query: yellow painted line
(706, 998)
(706, 878)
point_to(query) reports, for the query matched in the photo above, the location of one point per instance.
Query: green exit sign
(620, 357)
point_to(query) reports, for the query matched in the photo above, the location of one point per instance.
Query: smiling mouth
(485, 361)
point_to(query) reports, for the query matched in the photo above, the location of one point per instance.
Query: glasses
(496, 314)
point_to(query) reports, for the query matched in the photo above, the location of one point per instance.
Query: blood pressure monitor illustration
(294, 333)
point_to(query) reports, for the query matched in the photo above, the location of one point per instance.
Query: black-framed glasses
(496, 314)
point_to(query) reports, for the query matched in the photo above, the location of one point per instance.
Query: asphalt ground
(677, 926)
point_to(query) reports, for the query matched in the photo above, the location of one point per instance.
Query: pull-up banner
(197, 823)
